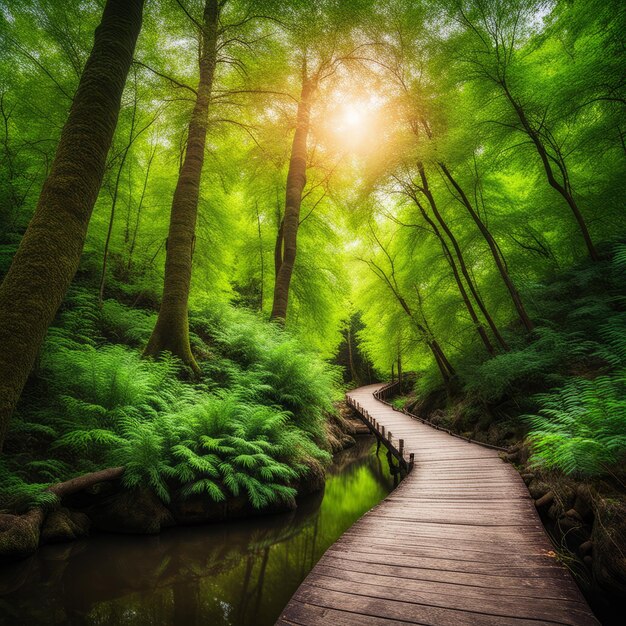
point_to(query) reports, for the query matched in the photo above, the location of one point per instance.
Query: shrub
(253, 426)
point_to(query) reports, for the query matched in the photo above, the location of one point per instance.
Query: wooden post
(389, 436)
(411, 460)
(382, 431)
(401, 447)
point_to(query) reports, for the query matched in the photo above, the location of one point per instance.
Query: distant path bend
(457, 543)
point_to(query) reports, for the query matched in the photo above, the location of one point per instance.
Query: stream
(238, 573)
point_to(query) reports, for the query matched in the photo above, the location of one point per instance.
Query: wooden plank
(570, 613)
(404, 610)
(459, 542)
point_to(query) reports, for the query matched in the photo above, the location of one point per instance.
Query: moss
(50, 250)
(19, 534)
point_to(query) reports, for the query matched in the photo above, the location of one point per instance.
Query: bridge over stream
(459, 542)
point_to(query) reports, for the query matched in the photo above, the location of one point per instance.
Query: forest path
(458, 542)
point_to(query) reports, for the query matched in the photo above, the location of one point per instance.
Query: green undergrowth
(563, 386)
(253, 425)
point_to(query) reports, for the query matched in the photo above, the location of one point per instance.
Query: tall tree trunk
(495, 251)
(442, 361)
(261, 257)
(562, 188)
(50, 250)
(296, 180)
(278, 250)
(423, 330)
(353, 374)
(171, 332)
(116, 188)
(480, 329)
(460, 257)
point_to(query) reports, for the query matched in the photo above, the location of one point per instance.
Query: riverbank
(102, 502)
(240, 572)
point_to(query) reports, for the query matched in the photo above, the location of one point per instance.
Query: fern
(581, 428)
(253, 431)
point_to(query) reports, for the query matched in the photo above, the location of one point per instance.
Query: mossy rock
(64, 525)
(138, 511)
(314, 480)
(19, 534)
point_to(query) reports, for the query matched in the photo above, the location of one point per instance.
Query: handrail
(386, 437)
(387, 390)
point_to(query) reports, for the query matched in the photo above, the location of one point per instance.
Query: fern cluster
(580, 427)
(252, 427)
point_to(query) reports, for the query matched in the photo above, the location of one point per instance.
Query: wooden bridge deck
(457, 543)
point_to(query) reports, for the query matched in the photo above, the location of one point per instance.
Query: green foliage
(581, 427)
(95, 404)
(512, 371)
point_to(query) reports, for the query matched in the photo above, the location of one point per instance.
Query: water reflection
(238, 574)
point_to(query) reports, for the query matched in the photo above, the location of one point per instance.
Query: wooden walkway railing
(457, 543)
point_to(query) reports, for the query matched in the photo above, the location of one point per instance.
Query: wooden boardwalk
(457, 543)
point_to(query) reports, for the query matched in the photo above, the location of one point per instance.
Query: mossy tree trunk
(286, 244)
(171, 332)
(49, 253)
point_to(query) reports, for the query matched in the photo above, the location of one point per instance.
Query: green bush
(252, 426)
(581, 427)
(538, 361)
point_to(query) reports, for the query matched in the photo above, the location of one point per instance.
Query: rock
(545, 500)
(138, 511)
(584, 502)
(19, 534)
(64, 525)
(528, 478)
(588, 561)
(538, 488)
(314, 480)
(573, 513)
(586, 547)
(566, 494)
(566, 523)
(555, 511)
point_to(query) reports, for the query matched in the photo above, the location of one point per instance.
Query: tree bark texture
(171, 332)
(296, 180)
(50, 250)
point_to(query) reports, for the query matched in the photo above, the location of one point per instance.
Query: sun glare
(353, 122)
(353, 115)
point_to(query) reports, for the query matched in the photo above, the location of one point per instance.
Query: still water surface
(240, 573)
